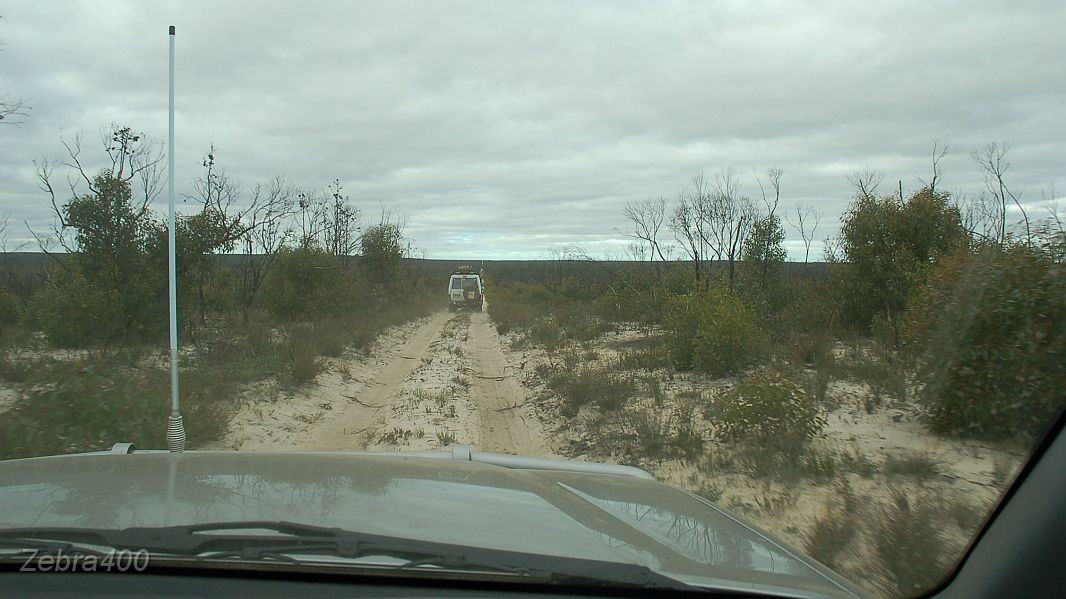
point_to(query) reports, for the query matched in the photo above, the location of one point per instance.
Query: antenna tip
(171, 30)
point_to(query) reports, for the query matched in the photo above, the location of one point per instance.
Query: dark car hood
(595, 516)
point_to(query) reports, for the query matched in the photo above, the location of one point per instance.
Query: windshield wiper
(288, 540)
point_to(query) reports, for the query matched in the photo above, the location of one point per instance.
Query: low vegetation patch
(766, 408)
(93, 402)
(834, 531)
(584, 385)
(908, 543)
(917, 465)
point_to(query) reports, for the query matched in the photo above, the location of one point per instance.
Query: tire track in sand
(344, 431)
(508, 425)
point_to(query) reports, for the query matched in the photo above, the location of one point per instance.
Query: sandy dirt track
(507, 425)
(424, 385)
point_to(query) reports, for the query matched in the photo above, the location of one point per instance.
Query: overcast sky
(503, 129)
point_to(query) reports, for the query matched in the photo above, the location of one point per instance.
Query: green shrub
(517, 306)
(545, 332)
(308, 283)
(75, 312)
(810, 349)
(9, 309)
(14, 369)
(640, 295)
(259, 340)
(584, 385)
(988, 334)
(446, 438)
(767, 409)
(93, 402)
(713, 332)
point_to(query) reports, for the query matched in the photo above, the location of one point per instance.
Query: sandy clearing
(969, 476)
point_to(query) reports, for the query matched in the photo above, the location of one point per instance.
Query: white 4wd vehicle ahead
(466, 290)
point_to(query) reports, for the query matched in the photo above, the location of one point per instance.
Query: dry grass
(921, 466)
(582, 385)
(909, 544)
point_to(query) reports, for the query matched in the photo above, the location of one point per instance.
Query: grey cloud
(508, 128)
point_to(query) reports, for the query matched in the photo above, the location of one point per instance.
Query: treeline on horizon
(944, 282)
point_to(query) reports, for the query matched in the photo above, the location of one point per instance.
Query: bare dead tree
(771, 200)
(5, 220)
(978, 214)
(215, 190)
(938, 175)
(43, 171)
(11, 110)
(993, 160)
(728, 217)
(687, 228)
(865, 181)
(806, 222)
(1051, 204)
(832, 250)
(639, 252)
(647, 219)
(310, 208)
(266, 229)
(220, 226)
(1052, 230)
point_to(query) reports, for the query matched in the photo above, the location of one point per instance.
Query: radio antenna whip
(175, 427)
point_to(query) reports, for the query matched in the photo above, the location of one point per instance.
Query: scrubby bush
(646, 431)
(301, 354)
(9, 309)
(988, 334)
(909, 543)
(766, 408)
(583, 385)
(835, 528)
(93, 402)
(308, 283)
(649, 355)
(641, 295)
(887, 246)
(517, 305)
(74, 311)
(713, 332)
(578, 321)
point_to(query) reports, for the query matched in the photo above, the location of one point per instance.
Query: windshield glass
(799, 267)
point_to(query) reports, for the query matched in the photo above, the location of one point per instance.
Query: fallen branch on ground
(517, 405)
(365, 405)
